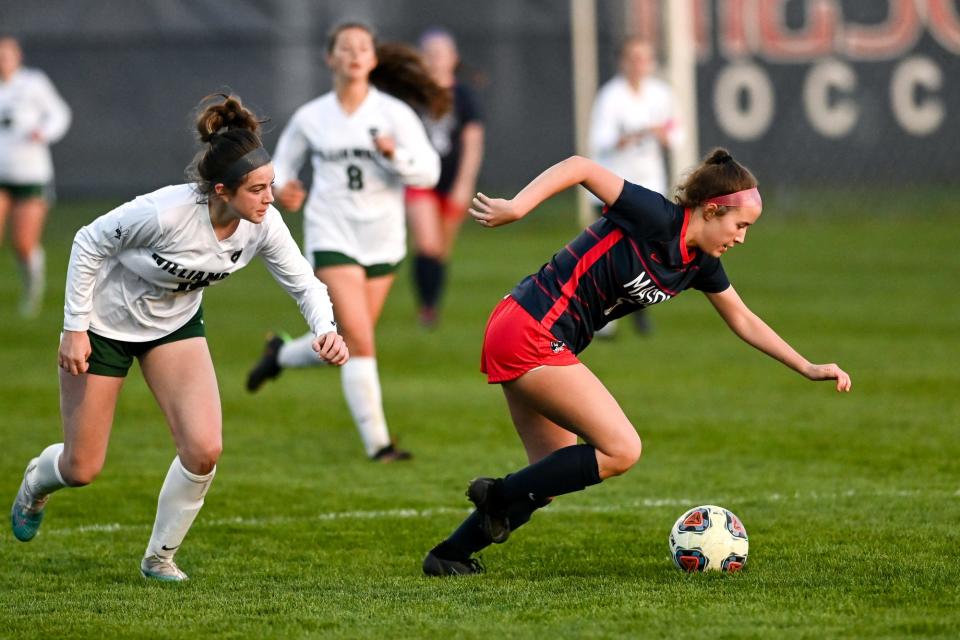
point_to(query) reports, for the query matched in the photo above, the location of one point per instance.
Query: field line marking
(557, 508)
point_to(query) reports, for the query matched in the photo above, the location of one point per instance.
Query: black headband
(244, 165)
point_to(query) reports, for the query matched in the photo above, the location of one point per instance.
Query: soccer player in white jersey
(134, 288)
(32, 116)
(631, 125)
(365, 146)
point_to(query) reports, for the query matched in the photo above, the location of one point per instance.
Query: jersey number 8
(354, 178)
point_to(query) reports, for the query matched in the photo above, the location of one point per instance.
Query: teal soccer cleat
(162, 569)
(27, 512)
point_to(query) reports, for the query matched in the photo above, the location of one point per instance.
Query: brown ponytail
(401, 73)
(228, 131)
(718, 174)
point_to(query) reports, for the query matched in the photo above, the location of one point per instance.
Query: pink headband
(745, 198)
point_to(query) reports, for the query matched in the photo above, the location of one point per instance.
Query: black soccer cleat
(267, 367)
(434, 565)
(485, 494)
(390, 453)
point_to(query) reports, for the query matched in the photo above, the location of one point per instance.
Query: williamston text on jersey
(196, 279)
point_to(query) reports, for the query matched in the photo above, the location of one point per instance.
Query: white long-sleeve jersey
(29, 104)
(353, 184)
(618, 110)
(138, 273)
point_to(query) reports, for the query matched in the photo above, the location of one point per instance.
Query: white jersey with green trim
(356, 202)
(138, 273)
(29, 106)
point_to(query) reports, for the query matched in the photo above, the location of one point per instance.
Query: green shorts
(335, 258)
(24, 191)
(113, 358)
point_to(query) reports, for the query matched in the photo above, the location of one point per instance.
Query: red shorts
(514, 343)
(449, 210)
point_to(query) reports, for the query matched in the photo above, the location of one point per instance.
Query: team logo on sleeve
(120, 233)
(557, 346)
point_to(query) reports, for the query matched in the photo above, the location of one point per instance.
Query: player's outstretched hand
(331, 348)
(830, 372)
(74, 352)
(493, 212)
(291, 195)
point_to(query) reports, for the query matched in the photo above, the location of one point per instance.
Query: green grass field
(852, 501)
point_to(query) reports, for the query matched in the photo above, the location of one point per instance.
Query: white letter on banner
(743, 121)
(830, 119)
(917, 116)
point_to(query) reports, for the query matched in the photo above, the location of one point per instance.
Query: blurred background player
(642, 251)
(134, 289)
(366, 146)
(32, 116)
(631, 125)
(435, 215)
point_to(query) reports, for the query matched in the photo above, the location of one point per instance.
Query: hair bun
(222, 113)
(718, 156)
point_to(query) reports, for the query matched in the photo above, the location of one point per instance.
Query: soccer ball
(708, 538)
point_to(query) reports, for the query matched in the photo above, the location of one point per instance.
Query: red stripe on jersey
(536, 281)
(569, 287)
(687, 256)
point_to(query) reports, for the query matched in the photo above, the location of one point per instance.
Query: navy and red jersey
(445, 134)
(634, 256)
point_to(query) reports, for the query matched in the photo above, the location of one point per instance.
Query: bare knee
(77, 472)
(201, 459)
(360, 344)
(622, 457)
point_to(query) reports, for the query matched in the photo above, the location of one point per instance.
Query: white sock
(361, 386)
(299, 353)
(180, 500)
(33, 274)
(37, 267)
(45, 477)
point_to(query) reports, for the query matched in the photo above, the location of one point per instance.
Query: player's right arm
(291, 153)
(74, 352)
(132, 224)
(606, 185)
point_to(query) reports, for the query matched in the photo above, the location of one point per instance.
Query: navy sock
(565, 470)
(466, 540)
(520, 512)
(469, 537)
(429, 274)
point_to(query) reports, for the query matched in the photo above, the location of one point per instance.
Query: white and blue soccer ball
(709, 538)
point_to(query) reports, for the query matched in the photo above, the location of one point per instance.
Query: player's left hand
(331, 348)
(493, 212)
(830, 372)
(386, 145)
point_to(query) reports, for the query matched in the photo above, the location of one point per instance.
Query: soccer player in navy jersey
(643, 251)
